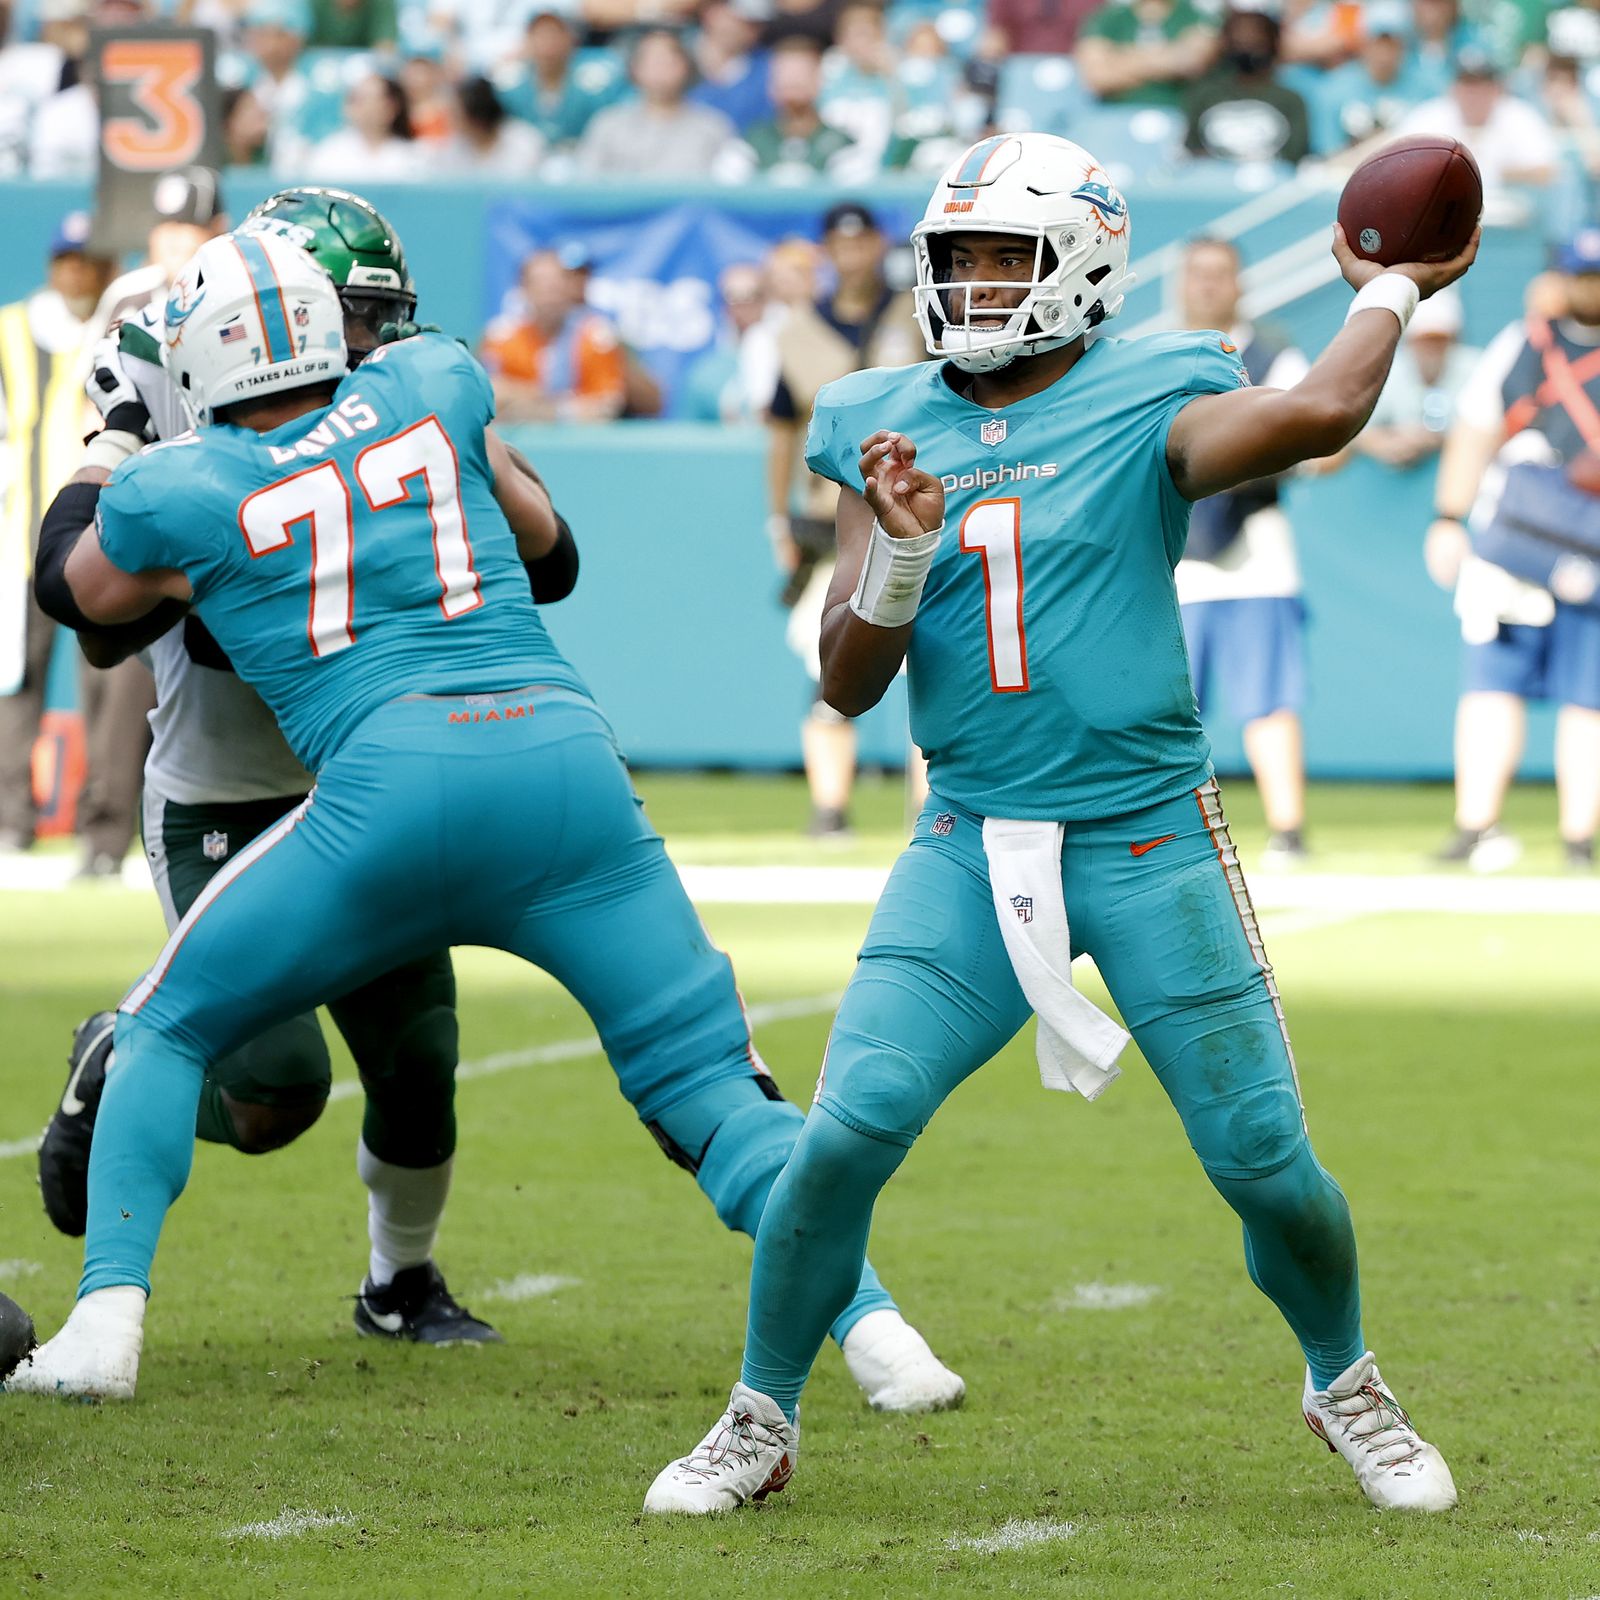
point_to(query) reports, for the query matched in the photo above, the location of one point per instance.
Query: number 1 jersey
(1048, 675)
(351, 556)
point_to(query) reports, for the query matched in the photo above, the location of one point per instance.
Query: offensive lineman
(424, 572)
(1069, 773)
(218, 773)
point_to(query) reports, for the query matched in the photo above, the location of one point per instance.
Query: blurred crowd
(400, 90)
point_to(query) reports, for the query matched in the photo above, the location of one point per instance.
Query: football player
(1018, 555)
(218, 774)
(596, 902)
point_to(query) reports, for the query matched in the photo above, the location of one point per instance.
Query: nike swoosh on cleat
(1149, 845)
(71, 1105)
(389, 1321)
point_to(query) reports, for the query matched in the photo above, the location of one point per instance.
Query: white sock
(404, 1206)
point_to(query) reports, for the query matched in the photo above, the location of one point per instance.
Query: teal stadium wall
(676, 623)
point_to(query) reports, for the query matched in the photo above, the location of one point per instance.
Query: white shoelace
(735, 1442)
(1374, 1419)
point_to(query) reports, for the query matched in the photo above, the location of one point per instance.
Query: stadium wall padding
(676, 622)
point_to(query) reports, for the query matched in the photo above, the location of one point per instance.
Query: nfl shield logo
(215, 846)
(993, 432)
(1022, 904)
(944, 824)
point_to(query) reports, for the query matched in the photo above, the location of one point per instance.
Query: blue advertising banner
(653, 270)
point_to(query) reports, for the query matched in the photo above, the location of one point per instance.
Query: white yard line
(1105, 1296)
(527, 1286)
(1014, 1535)
(290, 1525)
(17, 1268)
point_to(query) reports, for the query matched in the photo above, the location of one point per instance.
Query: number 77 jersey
(351, 556)
(1048, 675)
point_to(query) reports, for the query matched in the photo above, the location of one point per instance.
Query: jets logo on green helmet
(352, 241)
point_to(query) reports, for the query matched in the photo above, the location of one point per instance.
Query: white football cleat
(748, 1455)
(894, 1366)
(1358, 1417)
(96, 1354)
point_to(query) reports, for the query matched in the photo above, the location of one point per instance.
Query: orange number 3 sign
(160, 75)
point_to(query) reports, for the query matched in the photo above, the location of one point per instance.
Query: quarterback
(359, 545)
(1009, 521)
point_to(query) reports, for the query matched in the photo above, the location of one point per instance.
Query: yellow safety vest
(44, 428)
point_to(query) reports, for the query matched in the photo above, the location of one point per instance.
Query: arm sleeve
(554, 575)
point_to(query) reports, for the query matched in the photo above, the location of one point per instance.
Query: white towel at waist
(1078, 1043)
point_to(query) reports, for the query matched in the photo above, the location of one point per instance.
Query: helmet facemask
(1053, 311)
(367, 312)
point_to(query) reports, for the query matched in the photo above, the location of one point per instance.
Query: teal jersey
(1048, 674)
(353, 555)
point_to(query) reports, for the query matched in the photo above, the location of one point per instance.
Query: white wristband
(1389, 291)
(110, 448)
(892, 576)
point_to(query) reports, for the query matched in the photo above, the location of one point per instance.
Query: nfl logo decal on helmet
(993, 431)
(1039, 188)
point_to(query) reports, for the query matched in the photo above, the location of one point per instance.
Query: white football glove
(114, 394)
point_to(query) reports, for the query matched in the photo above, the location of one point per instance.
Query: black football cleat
(16, 1336)
(418, 1306)
(64, 1151)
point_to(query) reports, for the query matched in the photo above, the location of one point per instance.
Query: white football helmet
(250, 315)
(1038, 187)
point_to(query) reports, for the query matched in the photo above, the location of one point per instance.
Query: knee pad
(1251, 1135)
(261, 1128)
(877, 1088)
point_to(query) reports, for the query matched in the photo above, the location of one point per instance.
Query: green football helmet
(351, 239)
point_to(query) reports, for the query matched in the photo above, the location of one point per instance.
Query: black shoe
(1577, 855)
(64, 1151)
(418, 1306)
(16, 1336)
(830, 824)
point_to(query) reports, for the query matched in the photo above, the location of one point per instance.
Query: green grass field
(1156, 1450)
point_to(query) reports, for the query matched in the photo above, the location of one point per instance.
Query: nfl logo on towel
(993, 432)
(215, 846)
(1022, 904)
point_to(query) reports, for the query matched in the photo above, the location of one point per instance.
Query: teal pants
(502, 820)
(1157, 898)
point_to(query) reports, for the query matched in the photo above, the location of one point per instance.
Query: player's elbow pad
(554, 575)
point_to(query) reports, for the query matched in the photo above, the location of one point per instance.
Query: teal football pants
(504, 820)
(1157, 898)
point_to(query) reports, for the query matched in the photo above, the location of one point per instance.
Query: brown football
(1415, 200)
